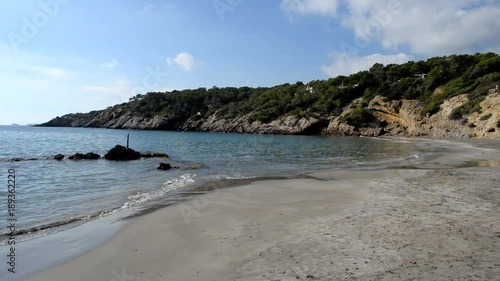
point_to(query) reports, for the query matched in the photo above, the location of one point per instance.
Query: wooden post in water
(128, 139)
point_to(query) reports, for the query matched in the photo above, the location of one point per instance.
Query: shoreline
(349, 227)
(318, 177)
(190, 222)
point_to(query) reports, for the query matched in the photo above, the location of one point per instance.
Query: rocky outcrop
(120, 152)
(285, 125)
(406, 118)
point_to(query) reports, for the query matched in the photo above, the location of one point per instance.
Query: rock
(337, 128)
(91, 156)
(59, 157)
(164, 167)
(120, 152)
(77, 156)
(17, 159)
(154, 155)
(371, 132)
(86, 156)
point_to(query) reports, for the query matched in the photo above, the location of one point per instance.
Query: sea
(64, 208)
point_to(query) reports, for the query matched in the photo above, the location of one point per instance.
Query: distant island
(453, 96)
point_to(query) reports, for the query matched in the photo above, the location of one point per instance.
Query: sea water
(54, 197)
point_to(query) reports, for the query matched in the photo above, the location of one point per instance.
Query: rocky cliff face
(406, 118)
(395, 118)
(286, 125)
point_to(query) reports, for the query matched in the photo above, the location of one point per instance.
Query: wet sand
(377, 225)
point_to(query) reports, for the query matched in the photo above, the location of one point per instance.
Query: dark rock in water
(164, 167)
(120, 152)
(92, 156)
(86, 156)
(59, 157)
(17, 159)
(77, 156)
(154, 155)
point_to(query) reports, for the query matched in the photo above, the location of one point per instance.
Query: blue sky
(63, 56)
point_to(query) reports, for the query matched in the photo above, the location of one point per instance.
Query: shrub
(466, 109)
(358, 117)
(486, 117)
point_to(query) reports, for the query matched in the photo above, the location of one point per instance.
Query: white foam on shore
(167, 187)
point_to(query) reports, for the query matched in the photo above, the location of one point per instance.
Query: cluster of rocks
(120, 153)
(79, 156)
(117, 153)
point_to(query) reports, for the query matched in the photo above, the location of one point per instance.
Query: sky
(66, 56)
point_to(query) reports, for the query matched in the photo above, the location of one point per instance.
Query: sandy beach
(339, 225)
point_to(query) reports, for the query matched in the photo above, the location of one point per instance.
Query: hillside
(452, 96)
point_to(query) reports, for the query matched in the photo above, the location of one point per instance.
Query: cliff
(406, 118)
(450, 97)
(394, 118)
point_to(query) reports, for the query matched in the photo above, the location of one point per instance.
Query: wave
(169, 186)
(44, 227)
(132, 201)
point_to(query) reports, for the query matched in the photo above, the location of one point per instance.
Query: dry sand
(390, 225)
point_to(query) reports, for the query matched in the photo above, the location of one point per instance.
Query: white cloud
(183, 60)
(111, 64)
(310, 7)
(346, 64)
(436, 27)
(426, 27)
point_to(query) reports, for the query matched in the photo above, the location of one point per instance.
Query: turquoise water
(54, 193)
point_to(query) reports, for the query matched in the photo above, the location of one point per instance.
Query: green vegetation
(431, 82)
(466, 109)
(358, 117)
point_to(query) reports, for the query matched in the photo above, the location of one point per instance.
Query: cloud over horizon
(421, 28)
(427, 27)
(344, 64)
(184, 61)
